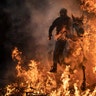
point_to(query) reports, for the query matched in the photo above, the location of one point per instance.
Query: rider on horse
(62, 25)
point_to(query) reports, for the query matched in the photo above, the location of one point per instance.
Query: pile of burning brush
(33, 82)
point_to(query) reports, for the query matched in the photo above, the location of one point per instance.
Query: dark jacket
(59, 23)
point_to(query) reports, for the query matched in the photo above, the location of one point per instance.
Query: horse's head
(78, 25)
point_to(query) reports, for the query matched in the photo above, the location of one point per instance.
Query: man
(62, 25)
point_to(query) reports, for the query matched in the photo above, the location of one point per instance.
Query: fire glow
(32, 81)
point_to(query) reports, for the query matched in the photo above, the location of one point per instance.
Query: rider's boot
(54, 68)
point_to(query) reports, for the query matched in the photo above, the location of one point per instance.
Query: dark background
(15, 31)
(19, 27)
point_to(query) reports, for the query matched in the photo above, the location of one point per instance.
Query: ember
(34, 94)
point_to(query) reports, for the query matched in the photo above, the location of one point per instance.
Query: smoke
(42, 15)
(31, 20)
(30, 24)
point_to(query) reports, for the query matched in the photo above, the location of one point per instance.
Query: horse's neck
(72, 30)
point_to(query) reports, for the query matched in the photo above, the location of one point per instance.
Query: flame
(32, 80)
(9, 89)
(89, 6)
(65, 80)
(36, 80)
(77, 92)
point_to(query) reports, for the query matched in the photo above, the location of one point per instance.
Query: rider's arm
(51, 28)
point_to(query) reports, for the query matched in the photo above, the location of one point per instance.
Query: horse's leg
(54, 68)
(83, 86)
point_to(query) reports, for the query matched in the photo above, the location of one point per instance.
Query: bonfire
(31, 81)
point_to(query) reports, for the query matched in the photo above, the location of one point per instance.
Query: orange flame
(36, 81)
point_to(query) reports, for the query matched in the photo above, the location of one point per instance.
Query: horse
(73, 52)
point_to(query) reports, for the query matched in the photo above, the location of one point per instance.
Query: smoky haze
(30, 21)
(42, 15)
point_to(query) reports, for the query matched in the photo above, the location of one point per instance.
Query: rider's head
(63, 12)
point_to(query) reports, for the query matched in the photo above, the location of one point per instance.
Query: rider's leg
(59, 47)
(55, 57)
(55, 61)
(61, 51)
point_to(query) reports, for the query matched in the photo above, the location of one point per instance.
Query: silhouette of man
(62, 25)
